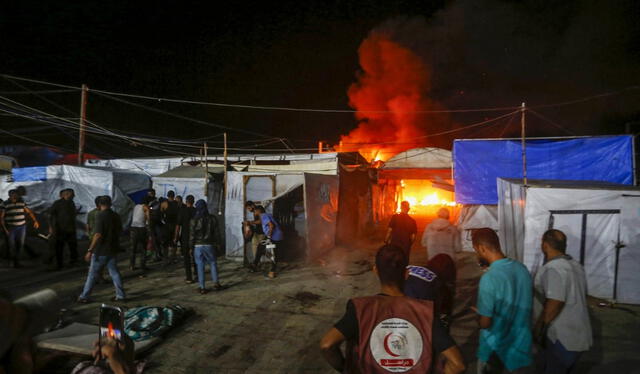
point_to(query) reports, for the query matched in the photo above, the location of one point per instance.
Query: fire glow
(423, 198)
(389, 96)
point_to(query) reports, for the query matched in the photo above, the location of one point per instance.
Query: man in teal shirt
(504, 308)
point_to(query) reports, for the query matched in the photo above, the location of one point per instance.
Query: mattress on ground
(78, 338)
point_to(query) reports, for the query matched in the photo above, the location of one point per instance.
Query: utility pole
(224, 194)
(206, 170)
(524, 145)
(83, 117)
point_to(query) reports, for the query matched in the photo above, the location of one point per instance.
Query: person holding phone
(118, 355)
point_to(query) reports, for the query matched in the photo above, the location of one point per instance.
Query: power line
(7, 76)
(291, 109)
(47, 101)
(92, 130)
(588, 98)
(264, 107)
(440, 133)
(104, 131)
(550, 121)
(179, 116)
(33, 140)
(139, 140)
(41, 92)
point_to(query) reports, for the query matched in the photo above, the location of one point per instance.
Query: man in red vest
(390, 332)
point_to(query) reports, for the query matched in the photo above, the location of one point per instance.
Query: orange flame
(423, 198)
(111, 332)
(389, 93)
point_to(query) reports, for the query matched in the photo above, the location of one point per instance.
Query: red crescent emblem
(386, 345)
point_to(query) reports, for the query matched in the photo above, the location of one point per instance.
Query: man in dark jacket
(170, 210)
(155, 224)
(105, 245)
(187, 211)
(62, 227)
(203, 236)
(402, 229)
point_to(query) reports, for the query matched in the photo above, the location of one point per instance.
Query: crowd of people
(405, 326)
(526, 324)
(158, 226)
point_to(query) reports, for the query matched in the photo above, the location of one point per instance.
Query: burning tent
(421, 176)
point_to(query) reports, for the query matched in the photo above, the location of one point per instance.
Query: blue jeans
(557, 359)
(97, 263)
(16, 237)
(203, 254)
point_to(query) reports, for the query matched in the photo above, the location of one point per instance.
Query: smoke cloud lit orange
(390, 89)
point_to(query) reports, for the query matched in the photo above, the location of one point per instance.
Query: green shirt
(505, 295)
(91, 222)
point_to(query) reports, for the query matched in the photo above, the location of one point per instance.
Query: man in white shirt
(441, 236)
(563, 328)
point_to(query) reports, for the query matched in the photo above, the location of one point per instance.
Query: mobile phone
(111, 323)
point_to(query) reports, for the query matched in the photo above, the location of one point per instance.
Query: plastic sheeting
(190, 186)
(478, 163)
(595, 217)
(244, 186)
(476, 217)
(420, 158)
(149, 166)
(44, 184)
(321, 208)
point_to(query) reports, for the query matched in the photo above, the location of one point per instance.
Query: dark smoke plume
(491, 53)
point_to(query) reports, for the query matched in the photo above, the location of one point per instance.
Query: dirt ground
(258, 325)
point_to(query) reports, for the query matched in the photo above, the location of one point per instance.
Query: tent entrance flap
(599, 231)
(259, 189)
(321, 208)
(288, 210)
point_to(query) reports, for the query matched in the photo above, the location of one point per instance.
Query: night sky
(304, 54)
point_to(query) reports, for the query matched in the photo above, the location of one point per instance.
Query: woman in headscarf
(202, 236)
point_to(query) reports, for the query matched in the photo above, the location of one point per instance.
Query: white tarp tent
(44, 183)
(254, 186)
(420, 158)
(324, 162)
(601, 221)
(190, 180)
(320, 206)
(149, 166)
(476, 217)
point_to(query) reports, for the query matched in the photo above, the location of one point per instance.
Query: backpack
(146, 322)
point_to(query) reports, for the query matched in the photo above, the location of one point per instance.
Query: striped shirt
(14, 213)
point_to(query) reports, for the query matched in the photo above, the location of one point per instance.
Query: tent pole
(83, 115)
(224, 186)
(206, 171)
(524, 146)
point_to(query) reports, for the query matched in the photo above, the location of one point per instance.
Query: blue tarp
(35, 173)
(478, 163)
